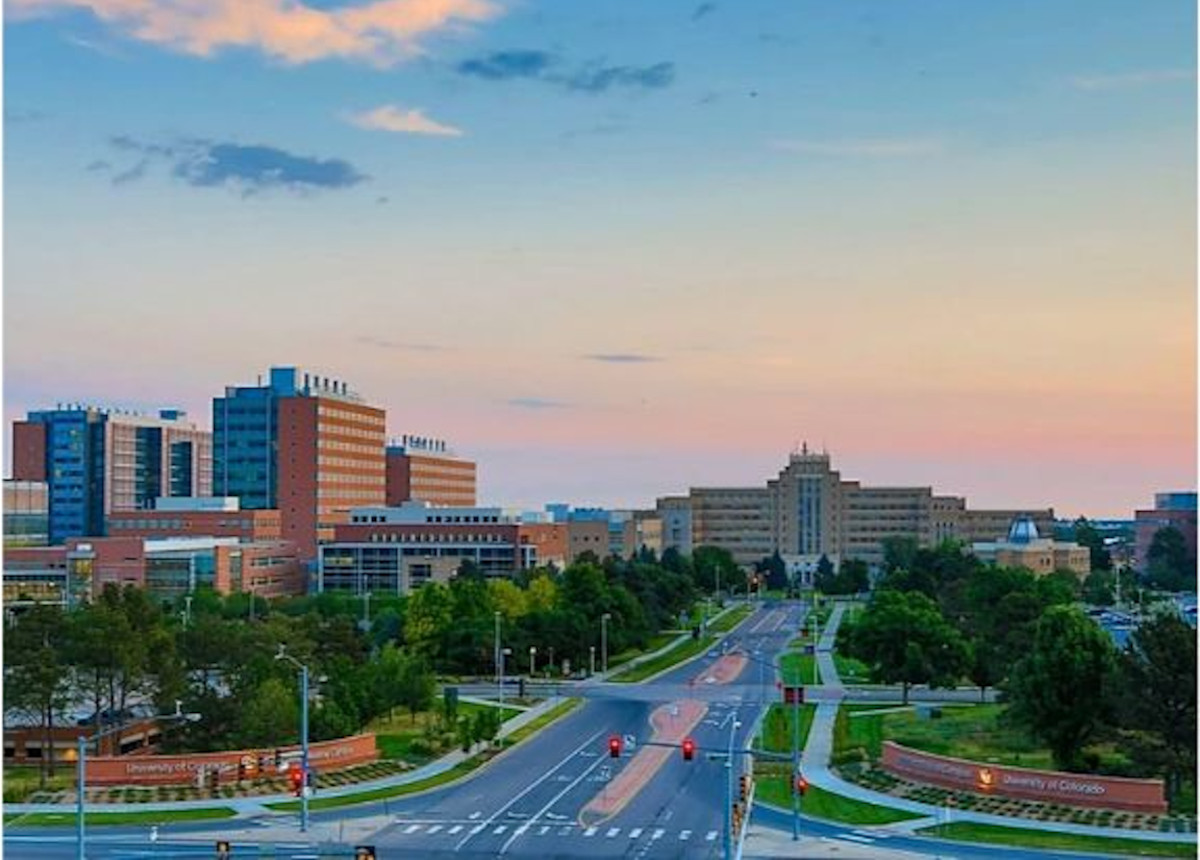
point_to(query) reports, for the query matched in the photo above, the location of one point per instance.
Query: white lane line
(412, 828)
(545, 810)
(591, 831)
(499, 829)
(869, 834)
(534, 785)
(635, 833)
(612, 831)
(455, 829)
(685, 835)
(860, 839)
(434, 829)
(711, 836)
(543, 830)
(657, 834)
(475, 815)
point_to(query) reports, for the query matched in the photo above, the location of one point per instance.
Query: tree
(429, 616)
(417, 685)
(823, 579)
(1158, 694)
(853, 577)
(899, 552)
(776, 570)
(1170, 566)
(1061, 689)
(904, 639)
(1087, 535)
(1098, 588)
(36, 678)
(271, 716)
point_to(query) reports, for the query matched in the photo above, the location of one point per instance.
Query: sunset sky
(616, 249)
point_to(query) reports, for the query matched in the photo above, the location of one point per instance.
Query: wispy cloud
(537, 403)
(1131, 80)
(400, 121)
(702, 10)
(863, 148)
(104, 49)
(402, 346)
(622, 358)
(246, 170)
(595, 77)
(16, 116)
(382, 32)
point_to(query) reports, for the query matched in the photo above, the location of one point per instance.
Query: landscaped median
(457, 772)
(1051, 841)
(730, 619)
(685, 650)
(99, 819)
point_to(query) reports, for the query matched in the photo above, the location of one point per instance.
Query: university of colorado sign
(1109, 792)
(183, 769)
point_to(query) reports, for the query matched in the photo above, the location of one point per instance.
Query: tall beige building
(809, 510)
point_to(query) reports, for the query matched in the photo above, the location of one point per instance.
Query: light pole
(496, 650)
(366, 619)
(592, 655)
(283, 655)
(187, 611)
(532, 662)
(729, 790)
(604, 639)
(503, 653)
(81, 768)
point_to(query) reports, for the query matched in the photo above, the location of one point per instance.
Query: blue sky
(972, 224)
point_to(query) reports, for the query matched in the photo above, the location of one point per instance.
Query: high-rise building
(809, 511)
(420, 469)
(305, 444)
(97, 461)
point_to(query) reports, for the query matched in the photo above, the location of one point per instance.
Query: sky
(612, 250)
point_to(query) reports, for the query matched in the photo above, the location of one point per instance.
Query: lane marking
(545, 828)
(657, 834)
(534, 785)
(612, 831)
(475, 815)
(591, 831)
(545, 810)
(860, 839)
(411, 829)
(685, 835)
(455, 829)
(635, 833)
(434, 829)
(500, 828)
(711, 837)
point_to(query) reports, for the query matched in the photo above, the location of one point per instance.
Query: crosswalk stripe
(478, 828)
(860, 839)
(412, 828)
(657, 834)
(475, 815)
(544, 830)
(612, 831)
(685, 835)
(434, 829)
(591, 831)
(871, 835)
(711, 837)
(455, 829)
(635, 833)
(500, 828)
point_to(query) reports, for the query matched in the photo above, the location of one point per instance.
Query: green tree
(1098, 588)
(1087, 535)
(271, 717)
(904, 639)
(37, 679)
(1158, 694)
(823, 580)
(417, 685)
(1061, 689)
(1170, 565)
(429, 617)
(899, 552)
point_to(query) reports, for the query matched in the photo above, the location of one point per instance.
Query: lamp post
(604, 639)
(503, 653)
(283, 655)
(729, 790)
(532, 661)
(592, 656)
(81, 769)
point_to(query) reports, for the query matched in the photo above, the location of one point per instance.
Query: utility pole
(729, 791)
(496, 651)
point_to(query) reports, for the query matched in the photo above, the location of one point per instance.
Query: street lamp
(283, 655)
(81, 764)
(504, 652)
(592, 657)
(604, 639)
(496, 649)
(532, 661)
(729, 789)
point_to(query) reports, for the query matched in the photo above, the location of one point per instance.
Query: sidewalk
(818, 753)
(249, 806)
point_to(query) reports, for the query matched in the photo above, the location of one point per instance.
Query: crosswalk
(537, 830)
(862, 837)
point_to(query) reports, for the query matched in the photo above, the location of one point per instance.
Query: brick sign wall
(1074, 789)
(182, 769)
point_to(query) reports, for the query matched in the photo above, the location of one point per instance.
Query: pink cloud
(383, 32)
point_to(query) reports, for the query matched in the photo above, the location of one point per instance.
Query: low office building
(26, 513)
(399, 549)
(1175, 510)
(219, 516)
(1025, 547)
(33, 575)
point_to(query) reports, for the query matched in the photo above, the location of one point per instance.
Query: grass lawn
(99, 819)
(778, 727)
(1046, 840)
(683, 651)
(823, 804)
(730, 619)
(20, 781)
(851, 671)
(798, 668)
(400, 737)
(459, 770)
(660, 640)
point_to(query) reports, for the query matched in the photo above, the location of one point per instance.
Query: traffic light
(224, 849)
(296, 778)
(689, 749)
(801, 784)
(364, 852)
(614, 747)
(744, 787)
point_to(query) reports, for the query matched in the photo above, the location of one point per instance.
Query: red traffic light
(801, 785)
(689, 749)
(614, 747)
